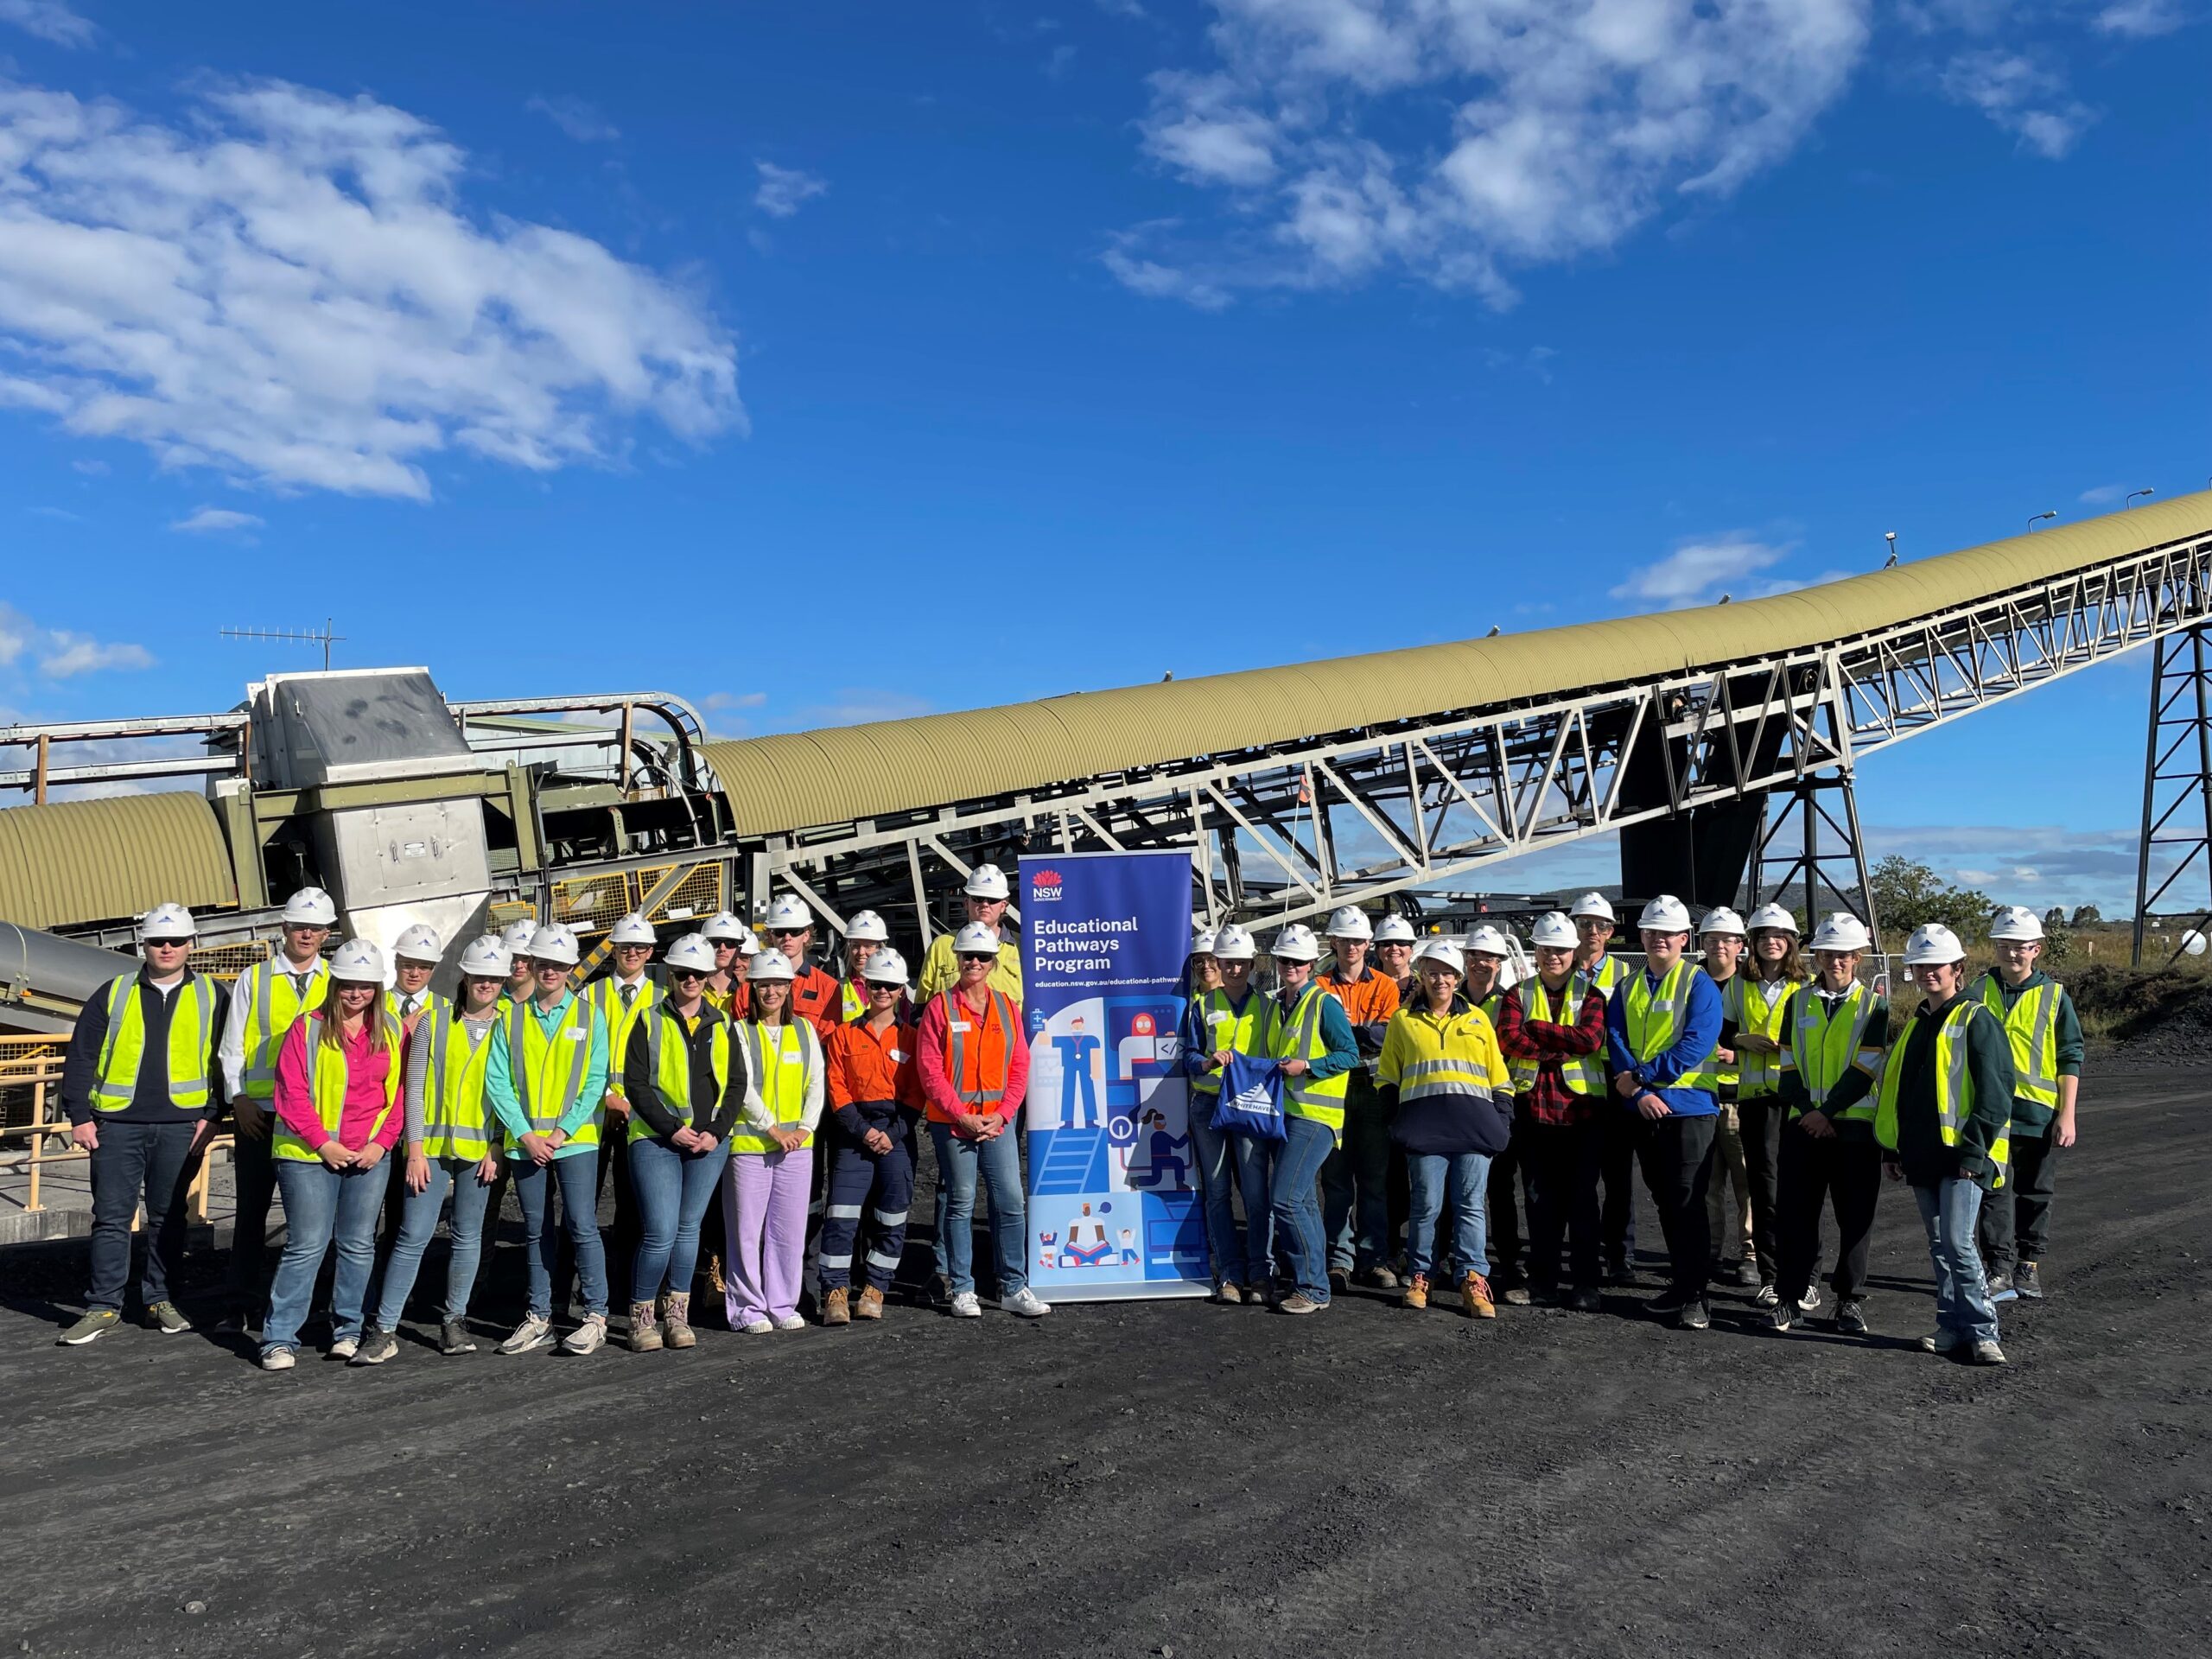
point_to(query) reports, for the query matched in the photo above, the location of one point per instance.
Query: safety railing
(31, 1089)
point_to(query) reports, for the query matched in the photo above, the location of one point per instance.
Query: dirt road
(1171, 1476)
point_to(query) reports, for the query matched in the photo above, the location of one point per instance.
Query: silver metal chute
(46, 979)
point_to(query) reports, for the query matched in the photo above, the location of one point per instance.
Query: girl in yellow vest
(735, 948)
(1309, 1039)
(1228, 1015)
(336, 1101)
(1773, 975)
(771, 1161)
(453, 1147)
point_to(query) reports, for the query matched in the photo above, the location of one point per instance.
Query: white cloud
(785, 189)
(856, 704)
(1551, 131)
(62, 514)
(60, 654)
(579, 118)
(50, 21)
(90, 468)
(215, 520)
(718, 701)
(1156, 281)
(2025, 97)
(2104, 495)
(286, 289)
(1697, 572)
(2141, 19)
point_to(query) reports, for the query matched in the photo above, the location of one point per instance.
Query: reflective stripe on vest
(427, 1002)
(782, 1084)
(2032, 1026)
(1297, 1036)
(606, 998)
(1227, 1028)
(1654, 1019)
(1584, 1074)
(669, 1064)
(329, 1074)
(1953, 1084)
(457, 1121)
(1442, 1072)
(273, 1009)
(1609, 974)
(1759, 1009)
(1823, 1046)
(549, 1071)
(192, 1023)
(1000, 1010)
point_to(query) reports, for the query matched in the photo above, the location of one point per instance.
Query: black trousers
(1620, 1132)
(1677, 1154)
(620, 1241)
(1502, 1211)
(253, 1172)
(1759, 1122)
(2015, 1225)
(134, 1158)
(1843, 1172)
(1560, 1164)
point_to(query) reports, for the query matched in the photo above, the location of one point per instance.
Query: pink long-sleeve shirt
(367, 1061)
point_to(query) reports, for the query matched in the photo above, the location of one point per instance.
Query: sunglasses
(788, 932)
(681, 974)
(975, 955)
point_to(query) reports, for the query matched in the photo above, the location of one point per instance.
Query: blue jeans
(153, 1159)
(1210, 1149)
(1294, 1203)
(1256, 1160)
(578, 1177)
(1463, 1177)
(418, 1225)
(959, 1162)
(1962, 1303)
(674, 1188)
(320, 1204)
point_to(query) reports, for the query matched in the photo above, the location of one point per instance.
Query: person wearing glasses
(734, 947)
(986, 898)
(816, 994)
(522, 971)
(876, 1098)
(686, 1082)
(765, 1193)
(865, 934)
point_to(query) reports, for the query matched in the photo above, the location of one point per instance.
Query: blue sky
(806, 360)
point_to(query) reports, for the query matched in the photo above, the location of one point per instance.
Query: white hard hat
(1295, 944)
(1393, 929)
(1774, 917)
(486, 959)
(2015, 922)
(1490, 943)
(772, 965)
(1351, 923)
(975, 940)
(723, 926)
(886, 967)
(987, 881)
(517, 936)
(1554, 930)
(169, 922)
(1841, 932)
(419, 944)
(634, 929)
(1203, 945)
(310, 907)
(555, 942)
(789, 911)
(868, 928)
(1444, 951)
(693, 951)
(1721, 919)
(1665, 914)
(1932, 944)
(358, 962)
(1233, 943)
(1593, 904)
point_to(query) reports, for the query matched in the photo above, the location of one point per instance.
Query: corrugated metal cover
(75, 862)
(778, 784)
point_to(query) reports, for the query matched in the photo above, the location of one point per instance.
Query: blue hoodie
(1701, 1033)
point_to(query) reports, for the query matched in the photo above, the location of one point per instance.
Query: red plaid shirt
(1549, 1100)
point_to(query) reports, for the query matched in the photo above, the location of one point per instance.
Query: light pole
(2131, 494)
(1891, 537)
(2040, 516)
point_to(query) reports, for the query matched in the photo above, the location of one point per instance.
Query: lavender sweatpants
(764, 1211)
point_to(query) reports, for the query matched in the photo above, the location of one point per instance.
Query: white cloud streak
(2141, 19)
(60, 654)
(2021, 96)
(206, 521)
(579, 118)
(286, 290)
(49, 21)
(1697, 572)
(783, 190)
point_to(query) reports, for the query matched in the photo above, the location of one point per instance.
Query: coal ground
(1170, 1476)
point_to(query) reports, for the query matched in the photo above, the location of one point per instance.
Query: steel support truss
(1810, 842)
(2176, 788)
(1352, 817)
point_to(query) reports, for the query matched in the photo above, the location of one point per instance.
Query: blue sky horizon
(792, 360)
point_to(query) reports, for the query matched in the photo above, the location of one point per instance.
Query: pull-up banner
(1114, 1208)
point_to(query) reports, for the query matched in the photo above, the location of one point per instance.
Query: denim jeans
(1294, 1203)
(253, 1174)
(1962, 1305)
(418, 1225)
(959, 1162)
(577, 1175)
(1255, 1161)
(1464, 1179)
(674, 1188)
(1355, 1198)
(1211, 1150)
(154, 1159)
(321, 1203)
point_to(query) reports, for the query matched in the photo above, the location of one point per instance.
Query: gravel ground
(1169, 1477)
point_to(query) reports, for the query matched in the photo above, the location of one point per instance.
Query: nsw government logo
(1045, 888)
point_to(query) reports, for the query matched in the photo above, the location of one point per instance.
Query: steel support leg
(2176, 791)
(1826, 860)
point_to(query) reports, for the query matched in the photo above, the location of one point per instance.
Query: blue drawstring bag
(1251, 1102)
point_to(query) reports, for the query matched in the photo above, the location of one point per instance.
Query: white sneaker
(588, 1337)
(535, 1332)
(965, 1306)
(1767, 1296)
(756, 1327)
(345, 1347)
(278, 1359)
(1942, 1342)
(1026, 1303)
(790, 1322)
(1810, 1301)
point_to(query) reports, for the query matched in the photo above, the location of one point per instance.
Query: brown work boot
(1474, 1298)
(1415, 1294)
(834, 1310)
(675, 1321)
(645, 1338)
(870, 1306)
(715, 1282)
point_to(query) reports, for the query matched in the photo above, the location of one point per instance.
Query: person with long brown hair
(1773, 973)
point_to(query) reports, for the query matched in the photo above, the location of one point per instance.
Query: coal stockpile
(1170, 1478)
